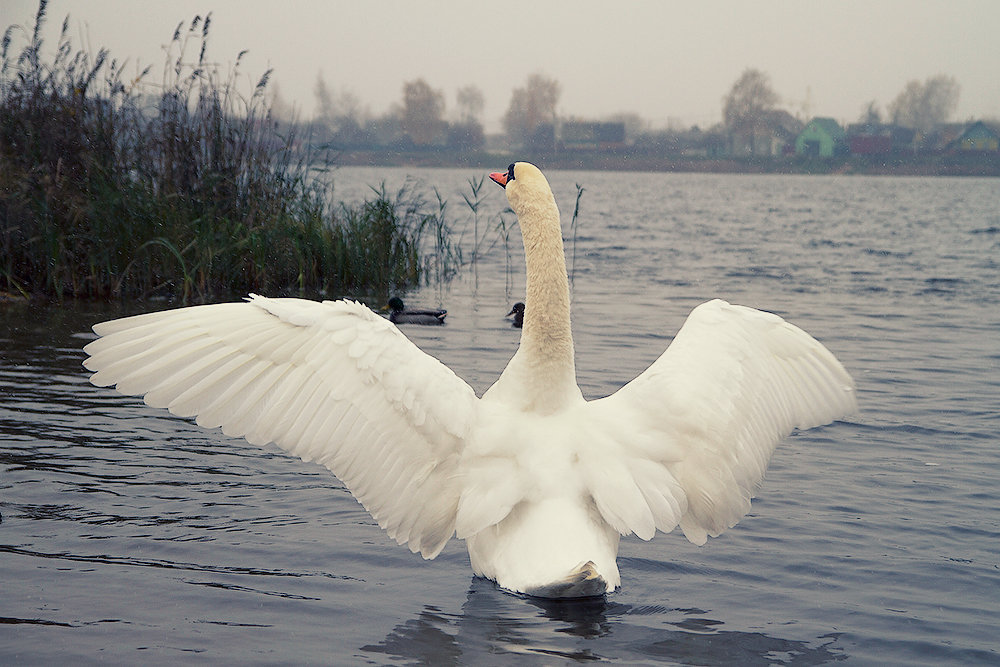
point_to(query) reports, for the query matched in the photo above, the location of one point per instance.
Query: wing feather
(330, 382)
(700, 424)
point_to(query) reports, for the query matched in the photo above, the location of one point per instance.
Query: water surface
(129, 535)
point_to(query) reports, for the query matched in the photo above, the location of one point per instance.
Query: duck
(539, 482)
(518, 312)
(399, 314)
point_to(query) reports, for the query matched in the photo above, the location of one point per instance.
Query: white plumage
(538, 481)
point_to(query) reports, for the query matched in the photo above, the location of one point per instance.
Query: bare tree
(280, 109)
(422, 115)
(470, 104)
(924, 105)
(341, 114)
(748, 101)
(746, 108)
(467, 131)
(871, 115)
(325, 111)
(531, 106)
(349, 107)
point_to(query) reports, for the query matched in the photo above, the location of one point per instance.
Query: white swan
(538, 481)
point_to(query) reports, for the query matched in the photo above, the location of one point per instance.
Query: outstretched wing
(695, 431)
(331, 382)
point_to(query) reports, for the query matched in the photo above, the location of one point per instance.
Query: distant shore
(950, 164)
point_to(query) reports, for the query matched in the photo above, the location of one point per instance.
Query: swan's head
(502, 179)
(525, 185)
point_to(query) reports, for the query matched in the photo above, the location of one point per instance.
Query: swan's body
(400, 314)
(538, 481)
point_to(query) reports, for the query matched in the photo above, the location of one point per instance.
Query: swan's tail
(583, 581)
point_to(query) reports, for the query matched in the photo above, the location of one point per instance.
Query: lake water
(130, 536)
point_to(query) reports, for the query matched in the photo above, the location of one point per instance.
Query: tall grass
(474, 200)
(110, 186)
(573, 229)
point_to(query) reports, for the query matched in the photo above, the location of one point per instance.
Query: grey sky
(667, 61)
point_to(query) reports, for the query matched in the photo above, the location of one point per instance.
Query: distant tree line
(419, 120)
(920, 106)
(422, 118)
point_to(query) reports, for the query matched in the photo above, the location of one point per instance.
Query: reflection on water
(495, 627)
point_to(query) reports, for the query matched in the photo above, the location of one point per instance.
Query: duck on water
(539, 482)
(518, 314)
(400, 314)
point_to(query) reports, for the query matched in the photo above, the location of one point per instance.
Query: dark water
(132, 536)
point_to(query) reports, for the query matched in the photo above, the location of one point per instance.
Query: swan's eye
(510, 172)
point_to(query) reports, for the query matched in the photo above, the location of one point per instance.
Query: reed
(112, 187)
(445, 256)
(474, 200)
(573, 229)
(503, 232)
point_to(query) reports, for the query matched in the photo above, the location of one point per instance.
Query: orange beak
(500, 178)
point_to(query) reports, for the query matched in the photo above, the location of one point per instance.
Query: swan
(399, 314)
(539, 482)
(518, 312)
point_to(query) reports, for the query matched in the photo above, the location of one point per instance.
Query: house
(869, 139)
(942, 138)
(879, 139)
(978, 137)
(542, 139)
(772, 133)
(585, 135)
(821, 137)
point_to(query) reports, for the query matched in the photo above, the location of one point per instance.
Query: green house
(821, 137)
(978, 137)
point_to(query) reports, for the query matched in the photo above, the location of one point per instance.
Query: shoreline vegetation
(115, 187)
(110, 191)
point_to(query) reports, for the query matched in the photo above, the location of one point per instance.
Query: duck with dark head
(400, 314)
(518, 313)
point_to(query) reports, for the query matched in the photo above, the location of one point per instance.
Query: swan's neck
(546, 336)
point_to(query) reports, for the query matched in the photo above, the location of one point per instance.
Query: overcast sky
(665, 60)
